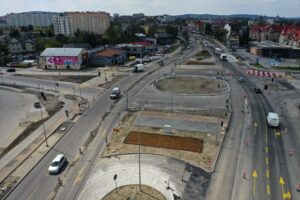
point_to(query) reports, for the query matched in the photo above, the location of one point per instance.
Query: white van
(273, 119)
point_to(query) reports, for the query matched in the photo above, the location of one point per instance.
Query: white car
(57, 163)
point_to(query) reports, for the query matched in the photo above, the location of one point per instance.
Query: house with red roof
(265, 32)
(290, 36)
(108, 56)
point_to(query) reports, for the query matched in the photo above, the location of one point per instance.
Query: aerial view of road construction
(129, 103)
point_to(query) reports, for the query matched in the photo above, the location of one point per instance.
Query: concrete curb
(182, 94)
(155, 154)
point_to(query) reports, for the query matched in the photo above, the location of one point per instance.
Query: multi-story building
(266, 32)
(62, 25)
(290, 36)
(94, 22)
(35, 19)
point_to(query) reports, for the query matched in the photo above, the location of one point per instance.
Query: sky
(283, 8)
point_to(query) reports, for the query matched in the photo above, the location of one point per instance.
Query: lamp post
(139, 151)
(44, 127)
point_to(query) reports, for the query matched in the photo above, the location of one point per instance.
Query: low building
(273, 50)
(164, 38)
(136, 50)
(108, 56)
(19, 47)
(63, 58)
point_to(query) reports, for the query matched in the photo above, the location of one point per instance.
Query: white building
(36, 19)
(63, 58)
(62, 25)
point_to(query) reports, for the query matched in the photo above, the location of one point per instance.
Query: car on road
(257, 90)
(273, 119)
(11, 70)
(57, 164)
(37, 105)
(241, 79)
(115, 93)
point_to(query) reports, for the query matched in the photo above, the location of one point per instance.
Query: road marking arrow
(281, 182)
(287, 195)
(254, 175)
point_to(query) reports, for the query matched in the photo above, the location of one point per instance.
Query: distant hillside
(212, 16)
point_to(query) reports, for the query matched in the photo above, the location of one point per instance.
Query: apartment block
(62, 25)
(35, 19)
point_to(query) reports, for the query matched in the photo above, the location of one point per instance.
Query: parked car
(37, 105)
(11, 70)
(57, 164)
(241, 79)
(257, 90)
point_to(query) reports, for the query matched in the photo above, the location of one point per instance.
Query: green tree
(39, 45)
(208, 29)
(172, 30)
(14, 33)
(221, 34)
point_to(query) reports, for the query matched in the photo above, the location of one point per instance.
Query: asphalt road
(267, 154)
(38, 184)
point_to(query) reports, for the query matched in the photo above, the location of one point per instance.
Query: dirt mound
(165, 141)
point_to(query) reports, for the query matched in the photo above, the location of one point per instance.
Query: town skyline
(154, 7)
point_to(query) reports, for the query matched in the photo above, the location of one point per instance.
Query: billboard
(62, 60)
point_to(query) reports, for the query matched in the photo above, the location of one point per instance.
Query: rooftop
(110, 52)
(61, 52)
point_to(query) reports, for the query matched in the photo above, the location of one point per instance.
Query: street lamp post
(44, 127)
(139, 151)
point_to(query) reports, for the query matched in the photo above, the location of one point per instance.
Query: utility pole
(139, 151)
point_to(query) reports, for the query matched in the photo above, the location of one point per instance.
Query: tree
(39, 45)
(172, 30)
(208, 29)
(221, 34)
(14, 33)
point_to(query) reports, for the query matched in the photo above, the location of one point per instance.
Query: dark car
(241, 79)
(257, 90)
(37, 105)
(11, 70)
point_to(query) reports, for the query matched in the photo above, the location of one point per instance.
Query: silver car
(57, 163)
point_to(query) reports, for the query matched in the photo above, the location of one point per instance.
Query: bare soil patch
(132, 192)
(165, 141)
(71, 78)
(191, 85)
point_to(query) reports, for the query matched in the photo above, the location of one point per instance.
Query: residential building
(63, 58)
(18, 47)
(62, 25)
(290, 36)
(94, 22)
(108, 56)
(35, 19)
(266, 32)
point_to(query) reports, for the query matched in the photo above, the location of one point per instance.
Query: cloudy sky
(286, 8)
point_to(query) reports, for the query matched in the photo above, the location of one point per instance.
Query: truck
(223, 56)
(273, 119)
(138, 68)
